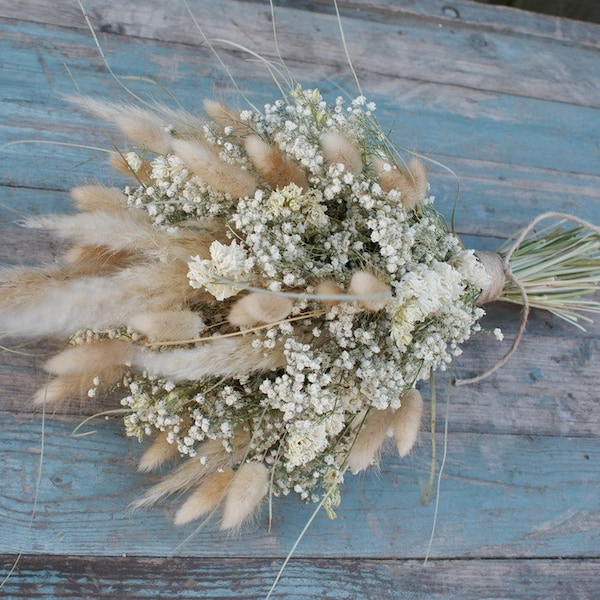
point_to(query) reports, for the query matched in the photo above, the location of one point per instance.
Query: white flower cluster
(217, 275)
(174, 194)
(342, 359)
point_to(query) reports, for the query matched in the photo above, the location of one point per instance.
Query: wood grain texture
(509, 101)
(127, 578)
(502, 496)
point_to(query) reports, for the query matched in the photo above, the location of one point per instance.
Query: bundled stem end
(555, 269)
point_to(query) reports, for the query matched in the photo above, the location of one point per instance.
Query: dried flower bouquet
(268, 294)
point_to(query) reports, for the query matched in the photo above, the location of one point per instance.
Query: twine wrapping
(494, 266)
(498, 267)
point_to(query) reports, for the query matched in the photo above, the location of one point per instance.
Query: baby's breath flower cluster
(378, 293)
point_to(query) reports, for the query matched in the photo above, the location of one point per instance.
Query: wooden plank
(506, 99)
(126, 578)
(484, 16)
(418, 48)
(501, 496)
(516, 137)
(504, 19)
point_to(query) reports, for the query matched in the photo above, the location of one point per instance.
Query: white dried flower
(228, 263)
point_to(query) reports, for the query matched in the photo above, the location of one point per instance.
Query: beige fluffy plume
(143, 127)
(211, 457)
(206, 498)
(376, 292)
(168, 325)
(259, 308)
(406, 421)
(369, 441)
(159, 452)
(226, 357)
(227, 117)
(410, 181)
(98, 197)
(223, 176)
(248, 487)
(339, 149)
(274, 167)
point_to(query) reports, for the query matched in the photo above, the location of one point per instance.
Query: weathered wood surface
(510, 102)
(127, 578)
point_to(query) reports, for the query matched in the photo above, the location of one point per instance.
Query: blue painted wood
(389, 579)
(511, 105)
(501, 496)
(444, 121)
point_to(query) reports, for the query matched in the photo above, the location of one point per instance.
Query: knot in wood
(494, 266)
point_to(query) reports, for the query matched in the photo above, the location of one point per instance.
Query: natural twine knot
(495, 268)
(498, 268)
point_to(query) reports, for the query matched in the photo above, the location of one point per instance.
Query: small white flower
(227, 262)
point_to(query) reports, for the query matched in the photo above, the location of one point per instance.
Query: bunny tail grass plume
(89, 357)
(182, 479)
(57, 308)
(225, 177)
(247, 488)
(364, 283)
(123, 230)
(211, 457)
(159, 452)
(228, 357)
(78, 385)
(168, 325)
(328, 288)
(227, 118)
(84, 261)
(406, 421)
(136, 167)
(259, 308)
(369, 440)
(138, 125)
(98, 197)
(338, 149)
(206, 498)
(18, 286)
(411, 181)
(277, 170)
